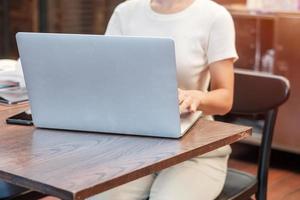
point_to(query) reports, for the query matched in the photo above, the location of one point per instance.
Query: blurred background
(267, 40)
(268, 34)
(63, 16)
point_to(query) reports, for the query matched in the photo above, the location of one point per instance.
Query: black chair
(13, 192)
(255, 93)
(8, 191)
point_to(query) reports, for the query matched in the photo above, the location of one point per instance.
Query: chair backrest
(255, 93)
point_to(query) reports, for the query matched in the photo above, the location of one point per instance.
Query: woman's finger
(180, 96)
(193, 107)
(184, 106)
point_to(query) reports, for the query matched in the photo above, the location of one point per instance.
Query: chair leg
(261, 195)
(264, 155)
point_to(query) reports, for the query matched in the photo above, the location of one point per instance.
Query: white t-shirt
(203, 33)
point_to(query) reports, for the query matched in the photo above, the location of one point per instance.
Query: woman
(204, 37)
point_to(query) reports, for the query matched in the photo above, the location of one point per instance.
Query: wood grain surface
(4, 107)
(77, 165)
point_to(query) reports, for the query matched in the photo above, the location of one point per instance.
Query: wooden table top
(13, 107)
(77, 165)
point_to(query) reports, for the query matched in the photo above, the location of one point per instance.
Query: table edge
(98, 188)
(85, 193)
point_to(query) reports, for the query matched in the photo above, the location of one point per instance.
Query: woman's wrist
(201, 100)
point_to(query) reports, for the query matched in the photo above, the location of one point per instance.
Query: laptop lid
(99, 83)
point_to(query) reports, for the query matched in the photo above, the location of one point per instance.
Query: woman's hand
(218, 101)
(189, 100)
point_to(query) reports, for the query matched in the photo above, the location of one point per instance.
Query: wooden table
(76, 165)
(8, 108)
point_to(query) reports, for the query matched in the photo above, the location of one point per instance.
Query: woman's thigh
(135, 190)
(196, 179)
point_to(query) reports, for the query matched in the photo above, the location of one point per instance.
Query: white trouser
(200, 178)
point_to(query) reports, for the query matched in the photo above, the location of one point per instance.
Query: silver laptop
(111, 84)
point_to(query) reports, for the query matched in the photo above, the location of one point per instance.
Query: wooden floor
(284, 174)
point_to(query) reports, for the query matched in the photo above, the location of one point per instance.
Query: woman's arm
(219, 100)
